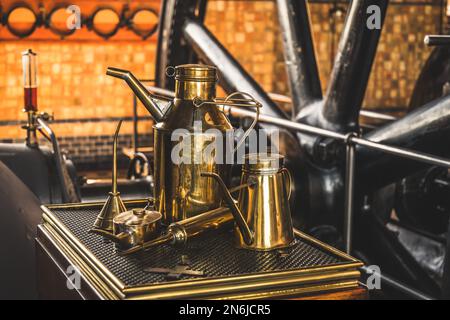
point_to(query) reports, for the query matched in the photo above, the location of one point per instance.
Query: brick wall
(249, 31)
(73, 85)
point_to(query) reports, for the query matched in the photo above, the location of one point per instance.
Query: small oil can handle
(286, 174)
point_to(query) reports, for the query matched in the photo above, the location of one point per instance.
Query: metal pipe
(279, 97)
(397, 151)
(405, 153)
(349, 192)
(365, 113)
(393, 283)
(276, 97)
(31, 140)
(233, 76)
(172, 50)
(425, 130)
(301, 66)
(288, 124)
(437, 40)
(58, 158)
(377, 115)
(352, 65)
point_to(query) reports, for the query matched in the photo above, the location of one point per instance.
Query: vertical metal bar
(349, 192)
(353, 62)
(301, 66)
(172, 50)
(60, 168)
(201, 10)
(135, 125)
(31, 140)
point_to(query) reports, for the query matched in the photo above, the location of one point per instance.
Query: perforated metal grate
(213, 253)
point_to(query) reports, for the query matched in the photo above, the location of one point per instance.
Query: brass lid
(195, 72)
(261, 162)
(137, 217)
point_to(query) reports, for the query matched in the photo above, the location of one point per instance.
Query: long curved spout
(246, 233)
(139, 90)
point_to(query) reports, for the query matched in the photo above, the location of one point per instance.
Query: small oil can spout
(139, 90)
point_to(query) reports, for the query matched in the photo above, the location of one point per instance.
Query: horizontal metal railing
(346, 138)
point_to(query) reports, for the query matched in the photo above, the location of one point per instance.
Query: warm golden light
(106, 20)
(21, 19)
(59, 19)
(145, 20)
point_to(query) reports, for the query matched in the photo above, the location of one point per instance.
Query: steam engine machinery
(326, 197)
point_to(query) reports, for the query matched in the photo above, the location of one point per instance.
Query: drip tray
(219, 269)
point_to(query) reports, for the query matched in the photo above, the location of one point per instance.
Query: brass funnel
(113, 205)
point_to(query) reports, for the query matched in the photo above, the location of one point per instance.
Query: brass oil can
(180, 191)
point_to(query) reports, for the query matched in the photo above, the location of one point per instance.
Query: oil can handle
(252, 126)
(285, 172)
(247, 235)
(228, 101)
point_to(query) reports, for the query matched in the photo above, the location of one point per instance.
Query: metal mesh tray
(213, 253)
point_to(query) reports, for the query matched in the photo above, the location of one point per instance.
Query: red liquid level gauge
(29, 80)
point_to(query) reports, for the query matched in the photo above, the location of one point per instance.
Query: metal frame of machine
(336, 169)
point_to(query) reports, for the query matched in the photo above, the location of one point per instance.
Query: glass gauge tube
(29, 80)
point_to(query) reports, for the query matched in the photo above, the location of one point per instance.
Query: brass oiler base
(112, 207)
